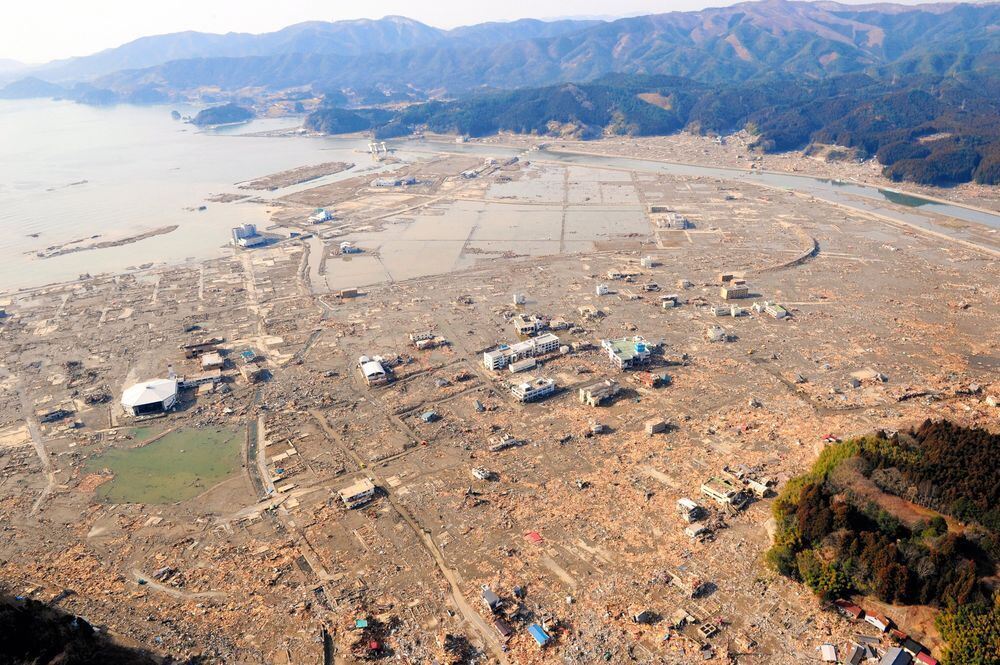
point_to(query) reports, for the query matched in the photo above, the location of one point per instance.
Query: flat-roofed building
(245, 235)
(655, 426)
(497, 358)
(212, 360)
(212, 376)
(525, 324)
(321, 215)
(597, 393)
(532, 389)
(775, 310)
(627, 352)
(546, 343)
(522, 365)
(504, 355)
(358, 494)
(724, 492)
(666, 219)
(733, 291)
(689, 510)
(421, 336)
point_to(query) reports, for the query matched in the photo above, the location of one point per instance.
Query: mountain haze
(745, 41)
(342, 38)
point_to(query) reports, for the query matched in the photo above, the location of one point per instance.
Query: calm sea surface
(69, 171)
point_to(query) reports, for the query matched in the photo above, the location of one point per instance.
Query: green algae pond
(178, 466)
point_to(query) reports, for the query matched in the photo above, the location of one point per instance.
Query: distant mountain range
(917, 86)
(7, 65)
(391, 34)
(747, 41)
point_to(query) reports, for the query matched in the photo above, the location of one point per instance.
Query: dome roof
(149, 392)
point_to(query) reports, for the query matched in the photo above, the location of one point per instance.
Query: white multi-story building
(673, 220)
(503, 355)
(321, 215)
(775, 310)
(498, 358)
(626, 352)
(358, 494)
(245, 235)
(532, 389)
(547, 343)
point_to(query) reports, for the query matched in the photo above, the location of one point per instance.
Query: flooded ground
(70, 172)
(176, 467)
(551, 210)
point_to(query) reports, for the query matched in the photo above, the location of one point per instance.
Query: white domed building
(149, 397)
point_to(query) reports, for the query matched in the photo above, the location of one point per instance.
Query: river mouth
(175, 467)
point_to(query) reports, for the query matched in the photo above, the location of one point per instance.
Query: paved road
(28, 413)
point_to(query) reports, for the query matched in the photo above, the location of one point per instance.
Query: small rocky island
(227, 114)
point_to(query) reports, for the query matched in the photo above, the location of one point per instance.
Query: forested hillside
(928, 129)
(747, 41)
(838, 538)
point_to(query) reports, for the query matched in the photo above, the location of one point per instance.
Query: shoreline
(440, 144)
(64, 249)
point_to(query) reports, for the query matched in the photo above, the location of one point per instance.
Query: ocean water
(69, 172)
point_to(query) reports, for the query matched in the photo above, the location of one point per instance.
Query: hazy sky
(41, 30)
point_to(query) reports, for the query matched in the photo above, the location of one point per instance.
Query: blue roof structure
(539, 634)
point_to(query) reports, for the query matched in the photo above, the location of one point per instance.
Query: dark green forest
(837, 542)
(938, 130)
(222, 115)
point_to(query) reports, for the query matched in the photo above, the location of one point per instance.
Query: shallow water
(177, 467)
(69, 171)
